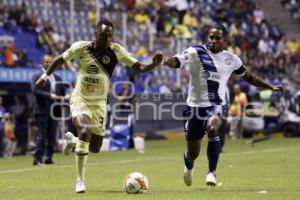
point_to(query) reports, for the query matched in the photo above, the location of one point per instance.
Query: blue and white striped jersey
(209, 73)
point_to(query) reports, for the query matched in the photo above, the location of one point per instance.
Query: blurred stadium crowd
(293, 6)
(174, 25)
(261, 44)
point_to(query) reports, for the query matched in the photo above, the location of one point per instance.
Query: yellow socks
(81, 156)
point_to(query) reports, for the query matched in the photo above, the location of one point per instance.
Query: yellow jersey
(96, 68)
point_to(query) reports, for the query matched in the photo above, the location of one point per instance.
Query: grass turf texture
(270, 170)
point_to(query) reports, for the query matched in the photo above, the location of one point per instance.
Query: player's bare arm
(156, 61)
(171, 62)
(57, 62)
(256, 81)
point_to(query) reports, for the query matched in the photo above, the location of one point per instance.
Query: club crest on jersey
(185, 52)
(228, 61)
(105, 60)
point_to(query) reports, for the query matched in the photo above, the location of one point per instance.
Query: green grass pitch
(270, 170)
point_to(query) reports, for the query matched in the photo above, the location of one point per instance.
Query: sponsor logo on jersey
(211, 75)
(207, 61)
(205, 74)
(215, 76)
(92, 80)
(205, 56)
(92, 69)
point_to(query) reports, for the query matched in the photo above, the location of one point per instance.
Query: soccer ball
(136, 183)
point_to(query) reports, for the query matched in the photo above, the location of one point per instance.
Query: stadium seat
(119, 137)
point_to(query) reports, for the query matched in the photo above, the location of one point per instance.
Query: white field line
(255, 152)
(61, 166)
(134, 160)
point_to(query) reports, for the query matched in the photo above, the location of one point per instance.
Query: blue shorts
(196, 118)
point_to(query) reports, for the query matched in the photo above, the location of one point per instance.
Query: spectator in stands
(9, 138)
(89, 3)
(293, 6)
(258, 14)
(293, 45)
(21, 117)
(161, 20)
(181, 6)
(234, 29)
(190, 19)
(43, 40)
(2, 9)
(275, 31)
(294, 79)
(54, 91)
(282, 47)
(33, 131)
(263, 45)
(10, 56)
(126, 99)
(142, 18)
(23, 58)
(233, 48)
(142, 52)
(280, 68)
(130, 4)
(2, 111)
(297, 102)
(2, 14)
(236, 111)
(29, 23)
(57, 43)
(126, 102)
(266, 97)
(244, 19)
(92, 17)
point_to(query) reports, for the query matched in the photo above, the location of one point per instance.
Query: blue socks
(213, 152)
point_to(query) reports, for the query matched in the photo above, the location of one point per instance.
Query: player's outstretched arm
(156, 61)
(57, 62)
(172, 62)
(256, 81)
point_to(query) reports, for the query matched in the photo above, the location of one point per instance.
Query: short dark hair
(219, 27)
(105, 22)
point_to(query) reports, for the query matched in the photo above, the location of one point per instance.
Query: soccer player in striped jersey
(210, 67)
(88, 101)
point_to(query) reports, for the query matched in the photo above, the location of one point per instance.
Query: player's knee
(193, 155)
(85, 132)
(212, 130)
(213, 126)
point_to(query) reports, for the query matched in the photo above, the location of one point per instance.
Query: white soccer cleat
(188, 176)
(69, 144)
(211, 179)
(80, 185)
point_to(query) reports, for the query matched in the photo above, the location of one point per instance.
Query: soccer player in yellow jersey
(88, 101)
